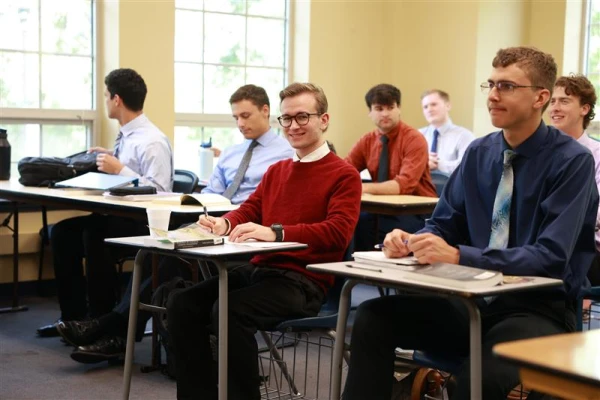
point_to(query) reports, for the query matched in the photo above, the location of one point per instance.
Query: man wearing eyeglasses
(313, 198)
(523, 201)
(396, 156)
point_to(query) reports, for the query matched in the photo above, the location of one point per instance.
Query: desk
(77, 200)
(566, 365)
(396, 278)
(397, 204)
(216, 254)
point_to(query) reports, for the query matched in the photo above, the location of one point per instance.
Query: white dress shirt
(453, 140)
(316, 155)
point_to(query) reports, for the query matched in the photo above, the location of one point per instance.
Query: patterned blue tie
(117, 148)
(434, 143)
(501, 213)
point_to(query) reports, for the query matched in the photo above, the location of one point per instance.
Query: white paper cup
(159, 219)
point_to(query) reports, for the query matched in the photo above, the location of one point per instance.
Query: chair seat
(449, 364)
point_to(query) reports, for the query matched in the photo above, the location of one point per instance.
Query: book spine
(195, 243)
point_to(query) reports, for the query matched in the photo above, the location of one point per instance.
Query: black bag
(46, 171)
(160, 297)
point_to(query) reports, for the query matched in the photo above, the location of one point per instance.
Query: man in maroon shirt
(313, 198)
(396, 156)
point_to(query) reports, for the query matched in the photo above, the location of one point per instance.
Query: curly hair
(581, 87)
(130, 87)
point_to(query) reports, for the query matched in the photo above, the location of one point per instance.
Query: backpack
(160, 297)
(46, 171)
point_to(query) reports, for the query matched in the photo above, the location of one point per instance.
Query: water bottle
(4, 156)
(205, 154)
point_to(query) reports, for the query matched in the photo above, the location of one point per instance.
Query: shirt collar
(394, 132)
(442, 129)
(316, 155)
(530, 147)
(584, 138)
(135, 123)
(267, 137)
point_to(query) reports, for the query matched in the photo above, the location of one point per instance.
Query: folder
(98, 181)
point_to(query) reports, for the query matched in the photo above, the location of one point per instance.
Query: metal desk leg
(133, 312)
(474, 346)
(340, 332)
(223, 327)
(15, 300)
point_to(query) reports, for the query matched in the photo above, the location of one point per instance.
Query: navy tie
(436, 133)
(384, 160)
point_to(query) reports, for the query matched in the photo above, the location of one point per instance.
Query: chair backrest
(184, 181)
(439, 180)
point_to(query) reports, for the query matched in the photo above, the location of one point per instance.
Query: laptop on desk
(97, 181)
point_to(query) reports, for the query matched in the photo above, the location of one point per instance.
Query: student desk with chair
(75, 199)
(397, 204)
(566, 365)
(375, 275)
(218, 255)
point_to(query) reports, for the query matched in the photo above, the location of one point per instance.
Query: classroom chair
(592, 293)
(439, 179)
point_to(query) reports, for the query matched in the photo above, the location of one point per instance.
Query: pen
(380, 246)
(206, 215)
(365, 268)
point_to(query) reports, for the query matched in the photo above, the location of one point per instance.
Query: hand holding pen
(215, 225)
(395, 244)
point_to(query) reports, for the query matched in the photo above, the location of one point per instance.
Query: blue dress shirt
(271, 148)
(553, 211)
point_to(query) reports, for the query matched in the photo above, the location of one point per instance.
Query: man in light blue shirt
(250, 108)
(447, 142)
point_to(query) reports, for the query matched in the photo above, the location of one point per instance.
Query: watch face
(277, 227)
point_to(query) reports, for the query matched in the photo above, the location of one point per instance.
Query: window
(592, 58)
(221, 45)
(47, 76)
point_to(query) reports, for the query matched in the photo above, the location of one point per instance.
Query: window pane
(267, 8)
(228, 6)
(188, 88)
(189, 4)
(63, 140)
(224, 39)
(24, 141)
(188, 36)
(188, 139)
(220, 83)
(19, 25)
(72, 93)
(271, 80)
(67, 27)
(19, 83)
(266, 42)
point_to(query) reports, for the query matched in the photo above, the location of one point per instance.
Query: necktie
(436, 133)
(384, 160)
(117, 148)
(501, 213)
(239, 175)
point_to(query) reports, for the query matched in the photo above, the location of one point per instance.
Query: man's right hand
(395, 244)
(216, 225)
(433, 161)
(99, 150)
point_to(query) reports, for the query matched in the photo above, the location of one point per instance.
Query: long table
(75, 199)
(397, 204)
(378, 276)
(566, 365)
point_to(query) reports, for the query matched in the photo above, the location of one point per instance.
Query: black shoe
(80, 333)
(105, 349)
(49, 330)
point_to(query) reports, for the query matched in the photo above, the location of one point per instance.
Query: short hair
(581, 87)
(130, 87)
(383, 94)
(445, 96)
(255, 94)
(297, 88)
(539, 67)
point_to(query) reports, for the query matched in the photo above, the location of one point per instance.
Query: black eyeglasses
(503, 87)
(301, 119)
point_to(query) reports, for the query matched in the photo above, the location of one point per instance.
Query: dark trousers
(77, 238)
(260, 297)
(441, 326)
(372, 228)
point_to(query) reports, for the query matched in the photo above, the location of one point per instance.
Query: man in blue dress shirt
(543, 225)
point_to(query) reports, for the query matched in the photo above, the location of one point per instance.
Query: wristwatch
(278, 229)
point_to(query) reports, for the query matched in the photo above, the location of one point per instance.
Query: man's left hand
(250, 230)
(429, 248)
(109, 164)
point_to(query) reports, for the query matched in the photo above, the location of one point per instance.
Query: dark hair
(130, 87)
(539, 67)
(444, 96)
(383, 94)
(297, 88)
(255, 94)
(580, 86)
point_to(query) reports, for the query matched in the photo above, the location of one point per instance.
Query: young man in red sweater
(313, 198)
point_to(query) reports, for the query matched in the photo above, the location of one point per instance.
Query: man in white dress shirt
(571, 110)
(447, 142)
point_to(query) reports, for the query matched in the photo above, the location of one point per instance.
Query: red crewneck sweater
(317, 203)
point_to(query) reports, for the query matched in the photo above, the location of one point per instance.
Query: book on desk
(186, 237)
(194, 199)
(452, 275)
